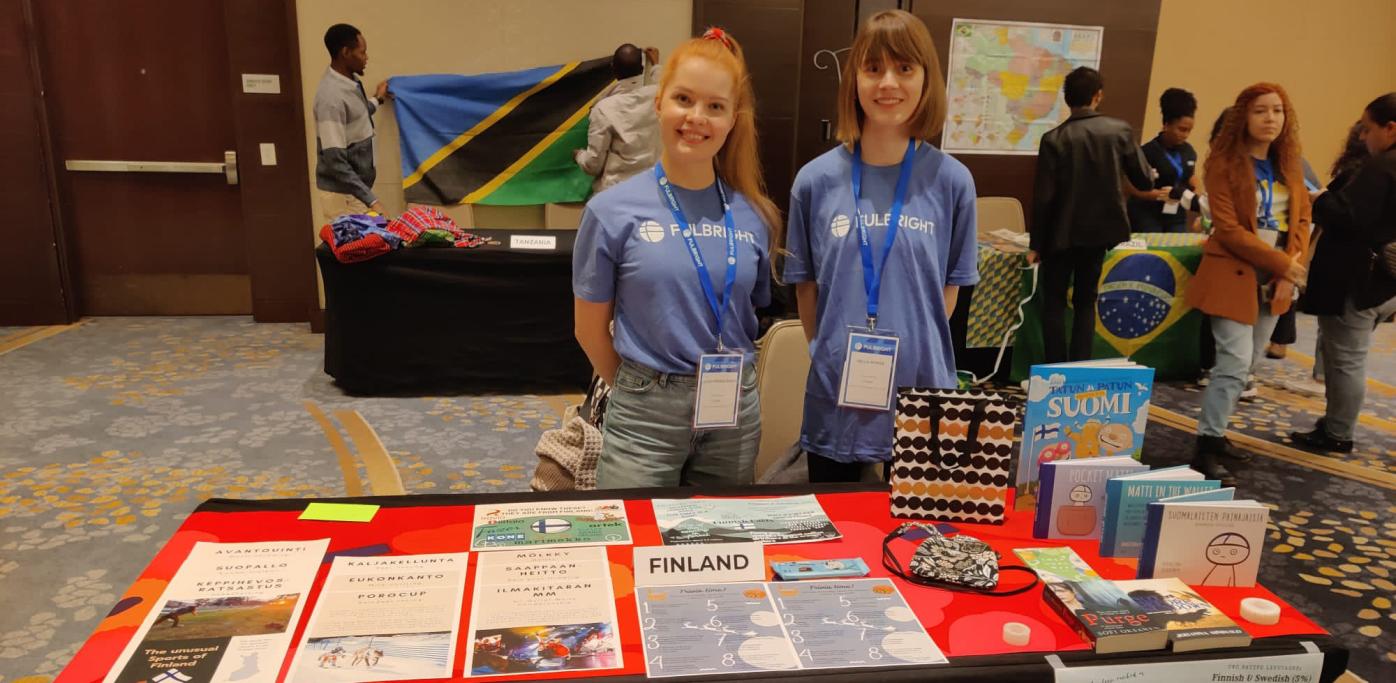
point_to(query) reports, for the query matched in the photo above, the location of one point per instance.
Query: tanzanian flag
(1140, 312)
(503, 138)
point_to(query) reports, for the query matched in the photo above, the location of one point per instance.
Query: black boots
(1210, 449)
(1319, 440)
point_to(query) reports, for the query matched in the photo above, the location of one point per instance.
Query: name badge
(719, 390)
(868, 370)
(1170, 207)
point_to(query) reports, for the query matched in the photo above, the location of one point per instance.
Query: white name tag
(669, 565)
(719, 390)
(539, 242)
(868, 371)
(1170, 206)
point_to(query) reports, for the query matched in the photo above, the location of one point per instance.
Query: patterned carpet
(112, 431)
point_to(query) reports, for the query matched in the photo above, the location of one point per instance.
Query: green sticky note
(339, 512)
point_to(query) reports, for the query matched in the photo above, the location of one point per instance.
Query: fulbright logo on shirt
(840, 225)
(651, 231)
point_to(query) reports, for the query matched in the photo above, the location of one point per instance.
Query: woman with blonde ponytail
(678, 258)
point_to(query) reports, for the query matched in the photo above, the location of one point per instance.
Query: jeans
(1239, 349)
(648, 437)
(1077, 268)
(1344, 341)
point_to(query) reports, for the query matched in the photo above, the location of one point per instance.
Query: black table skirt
(441, 319)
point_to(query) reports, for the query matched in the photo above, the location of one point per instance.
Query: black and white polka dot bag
(952, 455)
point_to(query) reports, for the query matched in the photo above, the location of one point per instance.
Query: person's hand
(1313, 196)
(1284, 289)
(652, 54)
(1033, 258)
(1297, 272)
(1161, 194)
(377, 206)
(381, 92)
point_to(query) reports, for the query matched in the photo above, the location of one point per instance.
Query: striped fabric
(503, 139)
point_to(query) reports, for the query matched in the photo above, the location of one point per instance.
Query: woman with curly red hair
(1260, 231)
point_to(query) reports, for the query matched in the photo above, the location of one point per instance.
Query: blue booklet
(1071, 499)
(1127, 501)
(1088, 409)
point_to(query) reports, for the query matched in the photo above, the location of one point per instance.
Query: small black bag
(959, 563)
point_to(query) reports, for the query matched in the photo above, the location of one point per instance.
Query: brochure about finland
(556, 524)
(792, 519)
(542, 610)
(227, 615)
(384, 619)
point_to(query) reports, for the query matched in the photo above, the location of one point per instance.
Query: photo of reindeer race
(354, 659)
(222, 617)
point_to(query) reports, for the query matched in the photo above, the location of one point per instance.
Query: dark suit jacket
(1077, 199)
(1357, 215)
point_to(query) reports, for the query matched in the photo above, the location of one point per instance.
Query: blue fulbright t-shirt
(935, 247)
(630, 250)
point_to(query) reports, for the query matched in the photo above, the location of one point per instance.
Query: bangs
(888, 39)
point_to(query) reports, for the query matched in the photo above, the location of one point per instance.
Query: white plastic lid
(1260, 611)
(1015, 633)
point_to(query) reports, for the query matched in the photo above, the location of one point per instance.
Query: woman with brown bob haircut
(881, 238)
(1260, 231)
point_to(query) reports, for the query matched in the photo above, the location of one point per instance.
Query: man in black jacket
(1348, 289)
(1079, 210)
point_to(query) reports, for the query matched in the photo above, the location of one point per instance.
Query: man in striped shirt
(344, 171)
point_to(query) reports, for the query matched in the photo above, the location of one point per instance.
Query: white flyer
(227, 615)
(384, 618)
(540, 610)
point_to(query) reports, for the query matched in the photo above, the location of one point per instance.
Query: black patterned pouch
(958, 563)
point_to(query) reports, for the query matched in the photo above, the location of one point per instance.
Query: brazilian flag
(501, 138)
(1140, 314)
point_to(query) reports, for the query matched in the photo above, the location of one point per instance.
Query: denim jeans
(1239, 349)
(648, 437)
(1344, 341)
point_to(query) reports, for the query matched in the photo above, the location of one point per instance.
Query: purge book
(1205, 539)
(1127, 501)
(1192, 622)
(1071, 496)
(1088, 409)
(1096, 608)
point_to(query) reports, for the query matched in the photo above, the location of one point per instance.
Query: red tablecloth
(964, 625)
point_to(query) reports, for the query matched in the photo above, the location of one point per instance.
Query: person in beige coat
(623, 133)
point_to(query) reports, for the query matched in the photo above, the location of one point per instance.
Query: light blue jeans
(648, 438)
(1239, 349)
(1344, 341)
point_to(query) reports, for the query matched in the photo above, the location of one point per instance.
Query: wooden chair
(383, 479)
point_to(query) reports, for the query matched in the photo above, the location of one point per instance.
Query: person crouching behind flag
(679, 259)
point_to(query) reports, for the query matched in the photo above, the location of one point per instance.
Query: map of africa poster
(1005, 82)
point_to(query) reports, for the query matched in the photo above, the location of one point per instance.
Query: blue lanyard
(719, 308)
(1265, 177)
(1176, 160)
(872, 277)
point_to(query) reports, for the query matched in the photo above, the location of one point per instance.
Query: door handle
(229, 166)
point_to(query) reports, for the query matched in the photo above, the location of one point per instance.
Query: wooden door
(145, 82)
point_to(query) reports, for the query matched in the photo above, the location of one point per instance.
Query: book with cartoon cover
(1087, 409)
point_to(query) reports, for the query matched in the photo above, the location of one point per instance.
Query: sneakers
(1251, 392)
(1319, 440)
(1205, 379)
(1305, 387)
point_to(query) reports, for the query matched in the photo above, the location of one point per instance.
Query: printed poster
(556, 524)
(384, 618)
(792, 519)
(710, 629)
(1004, 82)
(227, 615)
(543, 610)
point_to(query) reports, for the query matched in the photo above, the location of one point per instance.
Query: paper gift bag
(952, 457)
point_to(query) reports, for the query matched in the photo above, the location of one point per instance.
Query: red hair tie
(716, 33)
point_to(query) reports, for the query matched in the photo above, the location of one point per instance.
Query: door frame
(260, 37)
